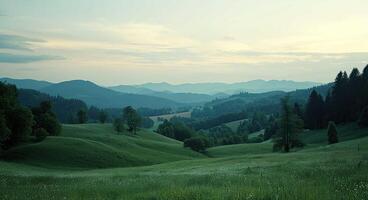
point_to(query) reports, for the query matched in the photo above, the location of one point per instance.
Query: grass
(99, 146)
(248, 171)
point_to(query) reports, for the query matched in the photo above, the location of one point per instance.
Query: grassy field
(245, 171)
(168, 117)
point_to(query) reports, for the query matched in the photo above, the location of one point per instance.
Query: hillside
(235, 172)
(26, 83)
(102, 97)
(99, 146)
(177, 97)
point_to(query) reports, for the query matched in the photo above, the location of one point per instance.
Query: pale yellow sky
(127, 42)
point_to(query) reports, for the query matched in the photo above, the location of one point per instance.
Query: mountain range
(153, 95)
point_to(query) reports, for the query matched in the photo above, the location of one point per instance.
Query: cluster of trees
(129, 119)
(147, 112)
(347, 101)
(17, 122)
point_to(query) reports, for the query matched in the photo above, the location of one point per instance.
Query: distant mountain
(26, 83)
(102, 97)
(177, 97)
(255, 86)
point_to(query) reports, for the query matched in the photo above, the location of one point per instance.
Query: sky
(115, 42)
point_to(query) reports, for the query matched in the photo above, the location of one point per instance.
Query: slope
(99, 146)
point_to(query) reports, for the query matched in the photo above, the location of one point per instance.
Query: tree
(131, 118)
(354, 100)
(315, 111)
(363, 119)
(46, 119)
(20, 121)
(166, 129)
(4, 131)
(102, 117)
(40, 134)
(198, 144)
(290, 126)
(82, 116)
(339, 98)
(182, 132)
(332, 133)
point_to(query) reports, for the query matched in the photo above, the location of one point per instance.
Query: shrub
(332, 133)
(198, 144)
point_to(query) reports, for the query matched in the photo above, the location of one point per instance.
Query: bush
(40, 134)
(198, 144)
(363, 119)
(332, 133)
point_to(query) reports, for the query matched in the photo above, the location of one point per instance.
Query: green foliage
(20, 121)
(82, 116)
(315, 111)
(5, 132)
(147, 122)
(290, 126)
(178, 131)
(198, 144)
(44, 118)
(40, 134)
(131, 118)
(332, 133)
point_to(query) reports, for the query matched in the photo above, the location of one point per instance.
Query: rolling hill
(88, 168)
(94, 146)
(177, 97)
(26, 83)
(254, 86)
(102, 97)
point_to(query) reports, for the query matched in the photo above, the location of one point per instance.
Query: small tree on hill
(332, 133)
(131, 118)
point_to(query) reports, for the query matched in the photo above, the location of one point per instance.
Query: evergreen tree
(339, 98)
(332, 133)
(315, 111)
(353, 92)
(290, 126)
(298, 111)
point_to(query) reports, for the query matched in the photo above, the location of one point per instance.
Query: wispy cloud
(14, 58)
(17, 42)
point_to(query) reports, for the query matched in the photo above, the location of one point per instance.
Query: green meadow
(92, 161)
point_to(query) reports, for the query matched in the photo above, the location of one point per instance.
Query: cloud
(12, 58)
(16, 42)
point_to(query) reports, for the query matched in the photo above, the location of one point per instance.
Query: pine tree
(339, 98)
(332, 133)
(315, 111)
(353, 92)
(290, 126)
(363, 119)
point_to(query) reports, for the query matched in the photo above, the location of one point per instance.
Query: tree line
(20, 124)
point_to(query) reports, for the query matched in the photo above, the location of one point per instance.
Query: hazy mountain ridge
(254, 86)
